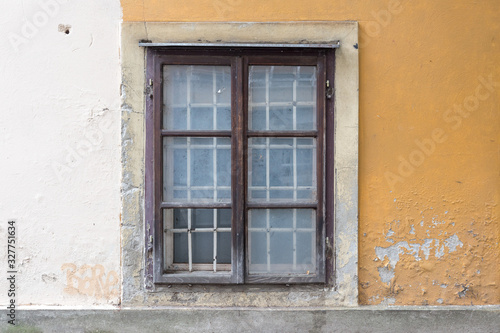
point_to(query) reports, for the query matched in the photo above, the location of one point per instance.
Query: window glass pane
(196, 169)
(282, 98)
(196, 97)
(282, 241)
(202, 232)
(281, 169)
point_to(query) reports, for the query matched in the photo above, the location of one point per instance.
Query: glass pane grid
(282, 98)
(186, 242)
(282, 169)
(282, 241)
(197, 97)
(197, 169)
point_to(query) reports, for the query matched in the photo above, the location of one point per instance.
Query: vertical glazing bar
(214, 126)
(188, 97)
(214, 97)
(188, 140)
(190, 247)
(215, 240)
(268, 239)
(214, 166)
(294, 239)
(267, 98)
(188, 171)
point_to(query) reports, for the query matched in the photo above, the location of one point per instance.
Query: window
(239, 158)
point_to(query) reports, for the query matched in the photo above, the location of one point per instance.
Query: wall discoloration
(429, 260)
(92, 281)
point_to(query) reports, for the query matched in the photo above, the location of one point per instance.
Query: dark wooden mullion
(192, 133)
(320, 220)
(238, 170)
(282, 134)
(330, 172)
(158, 174)
(150, 208)
(244, 167)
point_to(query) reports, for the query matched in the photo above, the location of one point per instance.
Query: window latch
(329, 90)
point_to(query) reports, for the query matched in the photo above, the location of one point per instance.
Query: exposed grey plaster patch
(439, 300)
(412, 231)
(393, 252)
(389, 233)
(439, 251)
(386, 274)
(388, 301)
(49, 278)
(444, 286)
(452, 242)
(464, 291)
(344, 254)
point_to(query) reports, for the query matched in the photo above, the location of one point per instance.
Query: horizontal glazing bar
(181, 187)
(282, 229)
(290, 134)
(196, 133)
(277, 205)
(199, 105)
(257, 104)
(199, 230)
(263, 187)
(195, 205)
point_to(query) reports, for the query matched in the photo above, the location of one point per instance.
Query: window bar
(294, 164)
(214, 126)
(267, 99)
(268, 239)
(188, 140)
(215, 240)
(214, 98)
(190, 248)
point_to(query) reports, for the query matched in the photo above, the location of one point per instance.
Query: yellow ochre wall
(429, 158)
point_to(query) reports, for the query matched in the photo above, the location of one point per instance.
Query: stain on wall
(430, 234)
(92, 281)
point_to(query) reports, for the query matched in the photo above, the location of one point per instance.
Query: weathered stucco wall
(429, 158)
(429, 161)
(60, 150)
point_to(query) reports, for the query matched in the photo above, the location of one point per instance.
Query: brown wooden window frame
(239, 59)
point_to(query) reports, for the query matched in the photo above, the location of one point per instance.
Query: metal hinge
(329, 90)
(149, 89)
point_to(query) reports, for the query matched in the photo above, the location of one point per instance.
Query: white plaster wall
(60, 149)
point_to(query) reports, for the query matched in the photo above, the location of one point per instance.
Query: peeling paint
(394, 251)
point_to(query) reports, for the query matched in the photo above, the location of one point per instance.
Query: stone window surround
(136, 287)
